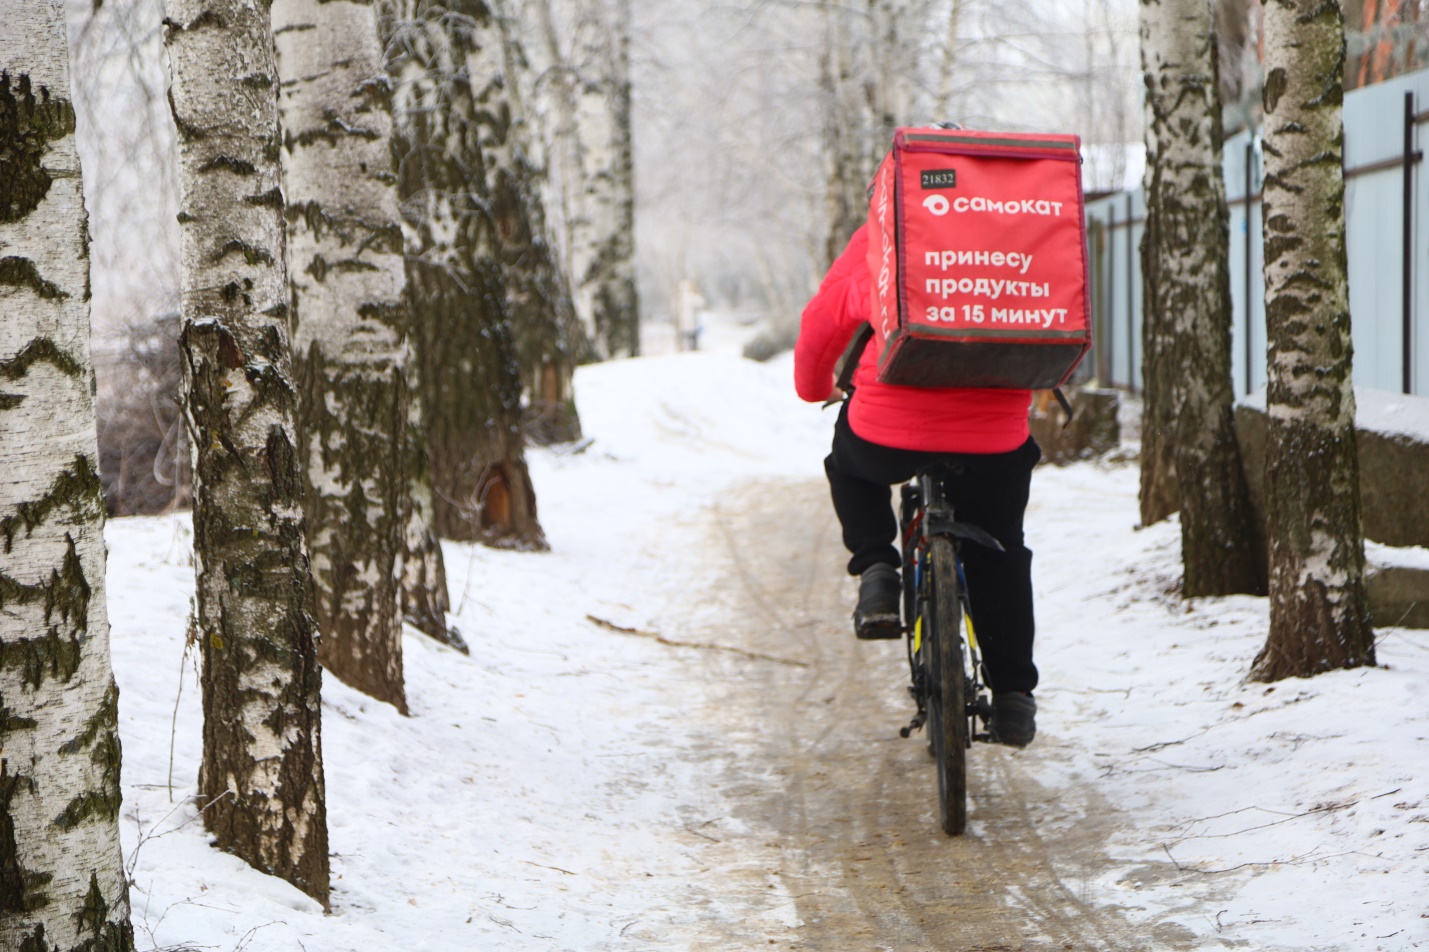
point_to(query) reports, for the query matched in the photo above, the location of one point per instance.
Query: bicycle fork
(925, 513)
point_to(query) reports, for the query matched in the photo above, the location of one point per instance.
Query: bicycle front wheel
(947, 707)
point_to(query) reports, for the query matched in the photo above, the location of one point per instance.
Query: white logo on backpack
(936, 204)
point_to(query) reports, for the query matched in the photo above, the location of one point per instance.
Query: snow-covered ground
(531, 802)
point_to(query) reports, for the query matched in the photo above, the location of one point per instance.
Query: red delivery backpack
(978, 251)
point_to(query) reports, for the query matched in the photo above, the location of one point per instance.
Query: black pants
(987, 490)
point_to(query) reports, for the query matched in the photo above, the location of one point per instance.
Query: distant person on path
(884, 434)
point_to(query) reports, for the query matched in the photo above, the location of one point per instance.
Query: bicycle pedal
(878, 628)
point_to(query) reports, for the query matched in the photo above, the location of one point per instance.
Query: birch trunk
(849, 124)
(261, 780)
(617, 300)
(1190, 457)
(425, 600)
(538, 292)
(898, 27)
(1319, 615)
(349, 322)
(1158, 494)
(467, 367)
(62, 882)
(943, 98)
(593, 158)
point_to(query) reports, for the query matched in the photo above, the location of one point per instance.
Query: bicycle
(946, 679)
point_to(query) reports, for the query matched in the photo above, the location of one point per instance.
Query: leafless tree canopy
(730, 114)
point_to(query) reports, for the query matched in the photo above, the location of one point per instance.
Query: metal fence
(1385, 237)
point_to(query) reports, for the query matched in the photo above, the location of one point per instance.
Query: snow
(543, 795)
(1378, 411)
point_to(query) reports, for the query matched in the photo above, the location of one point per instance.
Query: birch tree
(849, 124)
(1190, 459)
(261, 779)
(425, 599)
(62, 882)
(467, 371)
(1319, 614)
(899, 57)
(349, 324)
(538, 292)
(586, 46)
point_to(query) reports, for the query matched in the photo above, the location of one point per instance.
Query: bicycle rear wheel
(947, 707)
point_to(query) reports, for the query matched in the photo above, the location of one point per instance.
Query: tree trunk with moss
(261, 779)
(538, 293)
(586, 45)
(62, 882)
(349, 323)
(467, 366)
(1191, 460)
(1319, 613)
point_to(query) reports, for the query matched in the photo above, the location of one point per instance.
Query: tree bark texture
(1159, 496)
(349, 322)
(62, 881)
(1188, 430)
(538, 291)
(850, 126)
(261, 779)
(617, 299)
(898, 27)
(467, 368)
(592, 157)
(1319, 615)
(425, 599)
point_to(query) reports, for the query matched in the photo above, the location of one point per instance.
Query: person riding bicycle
(884, 434)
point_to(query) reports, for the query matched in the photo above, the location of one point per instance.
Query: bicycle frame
(927, 513)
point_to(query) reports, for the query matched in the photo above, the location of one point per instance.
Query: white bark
(548, 336)
(261, 777)
(1190, 453)
(853, 135)
(62, 881)
(1319, 617)
(461, 330)
(586, 46)
(349, 327)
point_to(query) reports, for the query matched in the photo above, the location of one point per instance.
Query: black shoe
(879, 594)
(1014, 719)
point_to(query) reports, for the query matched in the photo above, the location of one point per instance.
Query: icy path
(571, 786)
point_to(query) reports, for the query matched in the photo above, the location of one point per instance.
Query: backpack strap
(1064, 404)
(845, 381)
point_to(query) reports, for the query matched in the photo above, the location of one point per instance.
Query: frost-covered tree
(1319, 614)
(466, 366)
(1190, 459)
(349, 323)
(261, 779)
(538, 292)
(587, 72)
(62, 882)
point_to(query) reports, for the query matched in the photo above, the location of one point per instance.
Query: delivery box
(978, 251)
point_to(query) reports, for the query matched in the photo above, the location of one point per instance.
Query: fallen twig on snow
(1285, 818)
(706, 646)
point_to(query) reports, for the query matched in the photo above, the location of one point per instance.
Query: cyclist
(884, 434)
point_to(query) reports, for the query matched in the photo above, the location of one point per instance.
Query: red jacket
(946, 420)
